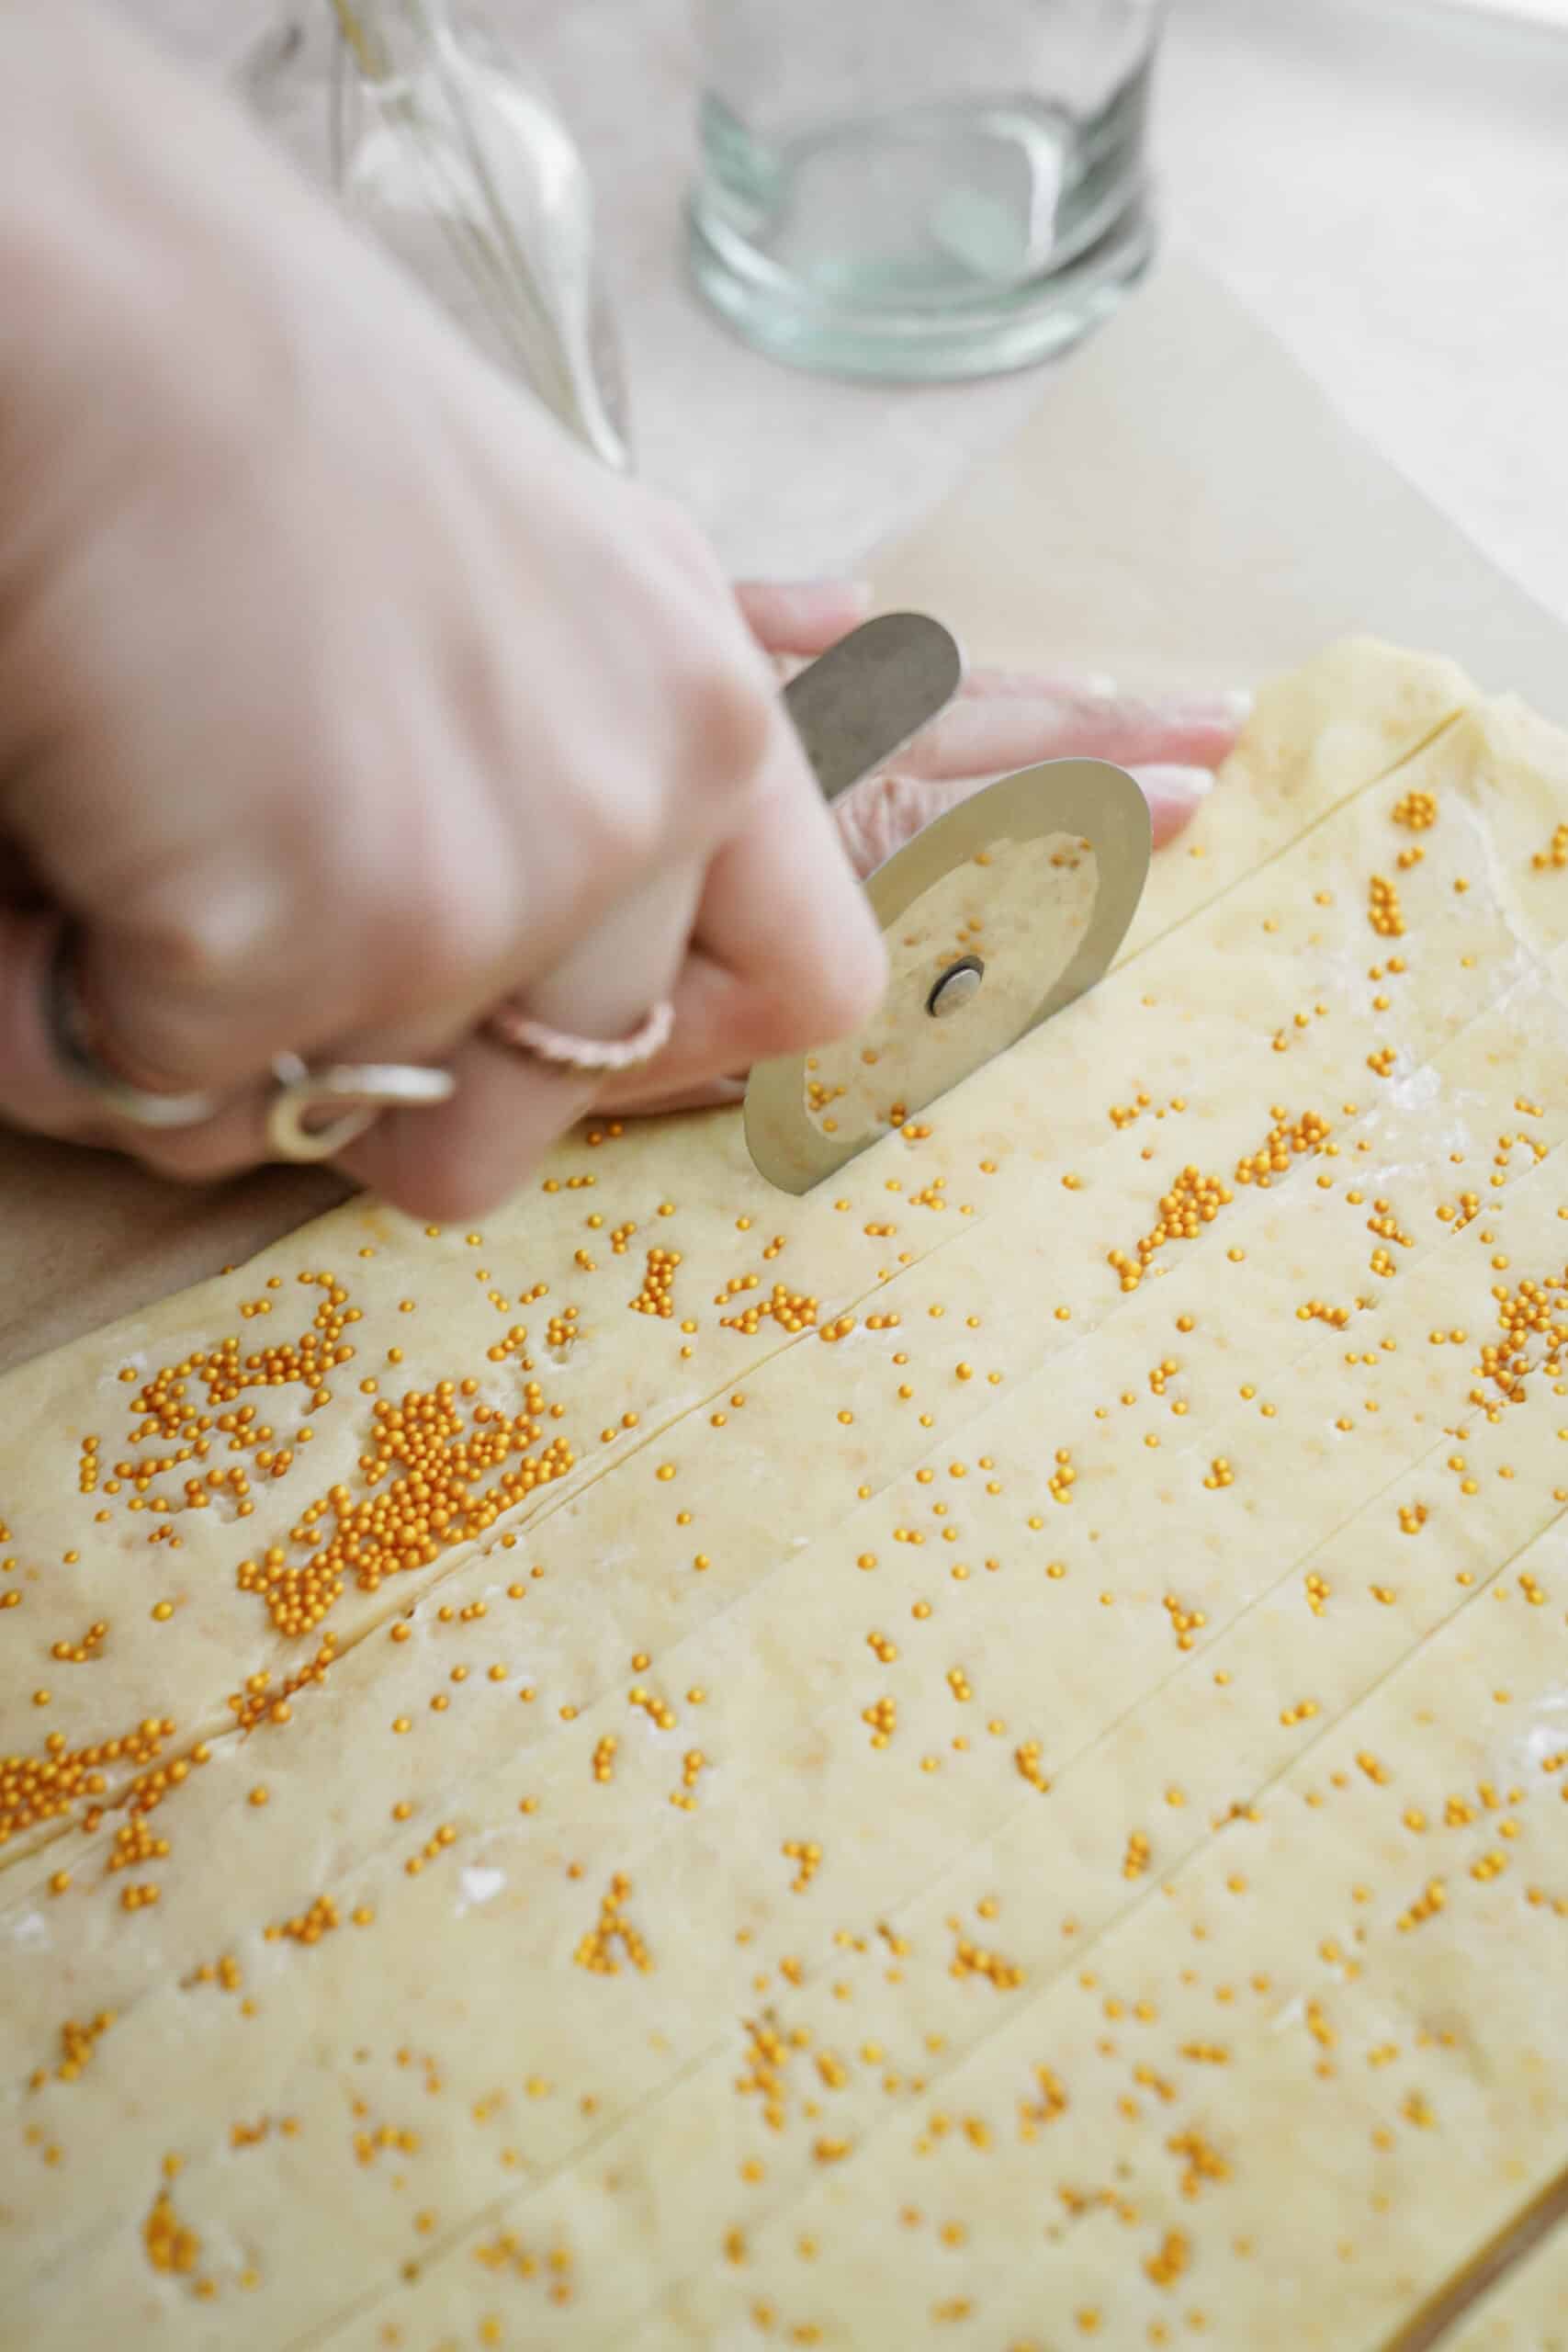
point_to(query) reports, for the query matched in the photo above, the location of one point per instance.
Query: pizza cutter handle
(859, 704)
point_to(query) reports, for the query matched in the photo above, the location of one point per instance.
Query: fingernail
(1230, 705)
(1221, 707)
(1175, 795)
(848, 591)
(1181, 787)
(855, 596)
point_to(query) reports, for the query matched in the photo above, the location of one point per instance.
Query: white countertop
(1383, 182)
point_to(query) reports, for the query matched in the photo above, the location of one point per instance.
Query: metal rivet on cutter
(958, 986)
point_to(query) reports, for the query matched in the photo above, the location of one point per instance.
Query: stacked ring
(357, 1093)
(352, 1094)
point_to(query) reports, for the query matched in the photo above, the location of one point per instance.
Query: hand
(340, 698)
(1000, 721)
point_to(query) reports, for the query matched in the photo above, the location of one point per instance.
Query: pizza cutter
(994, 916)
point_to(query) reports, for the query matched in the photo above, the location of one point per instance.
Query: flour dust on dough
(973, 1760)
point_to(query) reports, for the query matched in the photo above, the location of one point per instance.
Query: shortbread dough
(1528, 2312)
(975, 1760)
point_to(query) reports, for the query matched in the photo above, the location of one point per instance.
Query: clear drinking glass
(921, 188)
(446, 148)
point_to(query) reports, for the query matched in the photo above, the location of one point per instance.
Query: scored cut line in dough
(784, 1499)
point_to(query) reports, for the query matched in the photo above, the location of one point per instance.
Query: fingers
(878, 815)
(1030, 719)
(605, 985)
(738, 999)
(37, 1091)
(33, 1088)
(782, 917)
(1009, 724)
(724, 1020)
(872, 822)
(802, 616)
(1099, 684)
(1232, 703)
(207, 986)
(877, 818)
(716, 1030)
(1006, 721)
(463, 1157)
(466, 1158)
(786, 955)
(652, 1102)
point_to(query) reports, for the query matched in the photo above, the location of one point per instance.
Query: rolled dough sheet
(1528, 2312)
(976, 1759)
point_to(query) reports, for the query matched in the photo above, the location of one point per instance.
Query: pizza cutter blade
(994, 916)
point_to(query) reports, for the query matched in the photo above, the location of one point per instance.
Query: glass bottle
(434, 137)
(921, 188)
